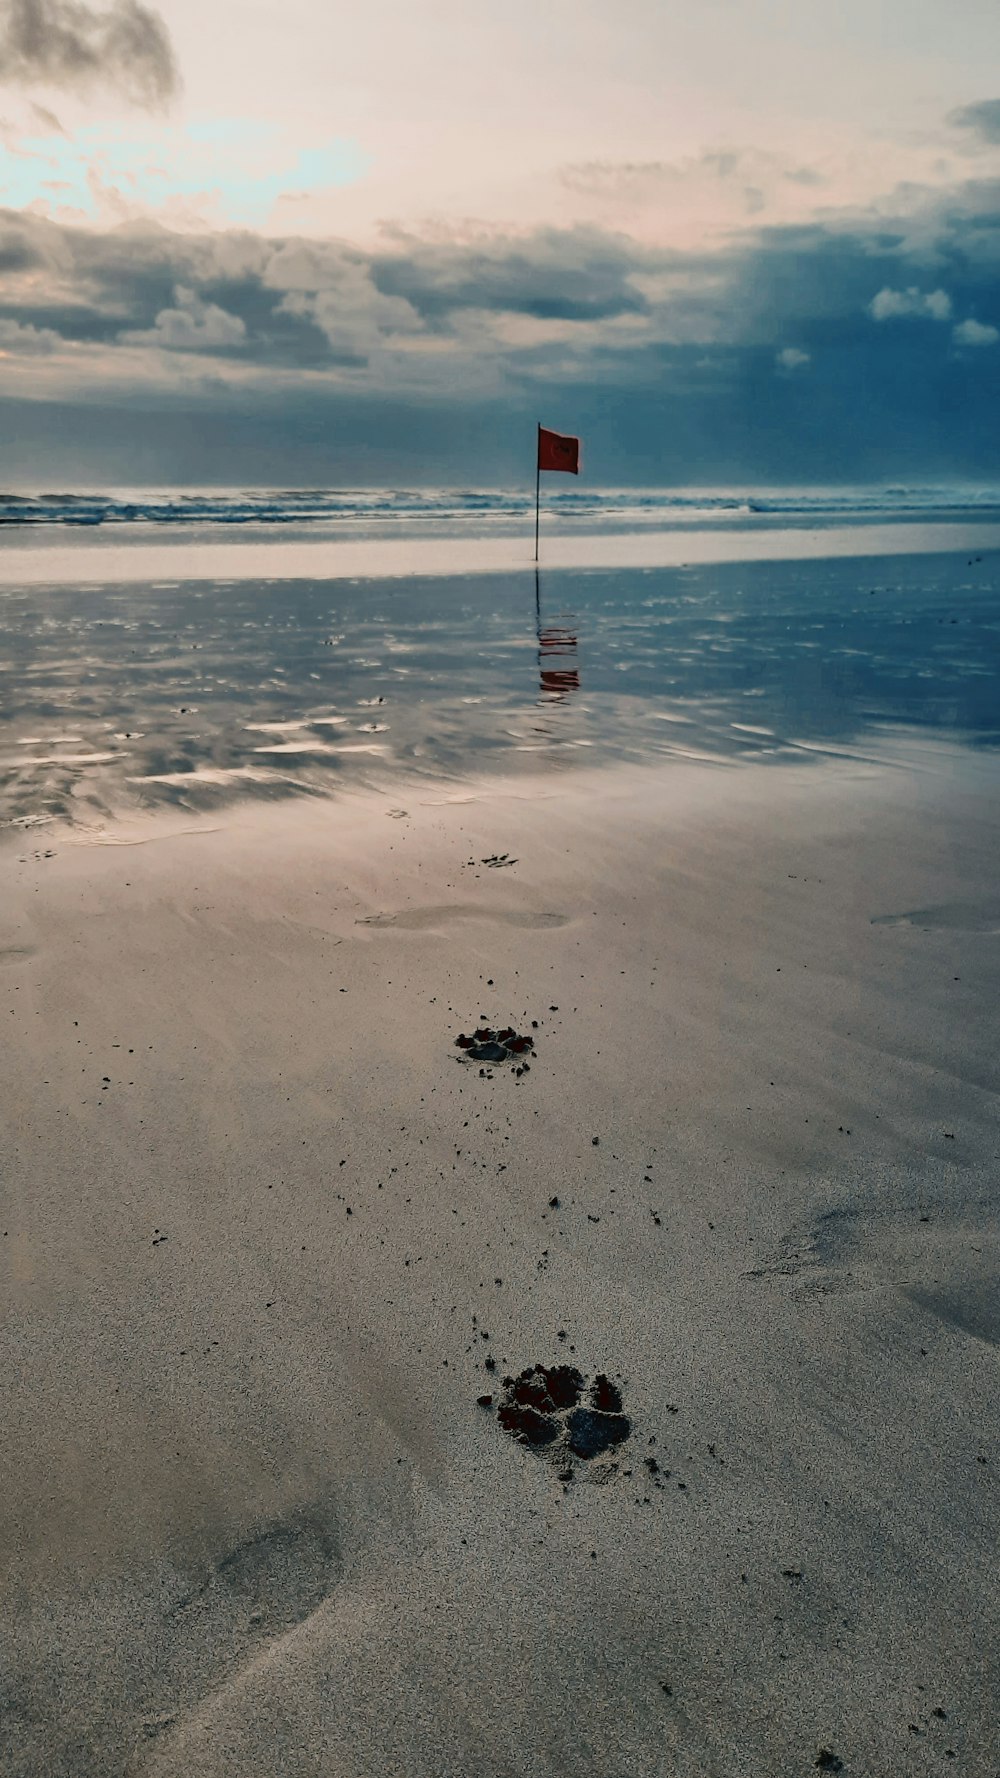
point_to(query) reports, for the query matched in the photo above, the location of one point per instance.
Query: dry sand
(95, 560)
(263, 1229)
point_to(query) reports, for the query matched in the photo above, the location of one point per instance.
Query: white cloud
(343, 302)
(891, 305)
(17, 336)
(193, 326)
(975, 333)
(790, 358)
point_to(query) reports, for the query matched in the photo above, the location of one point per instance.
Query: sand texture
(268, 1235)
(98, 561)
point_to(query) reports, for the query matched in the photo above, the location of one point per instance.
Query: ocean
(434, 509)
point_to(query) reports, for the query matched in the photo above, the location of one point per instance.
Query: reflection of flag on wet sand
(556, 451)
(555, 641)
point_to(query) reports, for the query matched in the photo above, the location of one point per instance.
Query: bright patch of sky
(228, 170)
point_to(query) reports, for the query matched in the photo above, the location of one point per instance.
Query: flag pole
(538, 480)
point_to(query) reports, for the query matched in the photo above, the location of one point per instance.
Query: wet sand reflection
(195, 693)
(558, 672)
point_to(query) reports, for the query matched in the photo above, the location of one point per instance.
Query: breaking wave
(577, 508)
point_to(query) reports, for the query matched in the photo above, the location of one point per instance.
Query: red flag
(555, 451)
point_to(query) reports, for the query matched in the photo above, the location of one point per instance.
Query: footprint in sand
(948, 917)
(552, 1410)
(487, 1045)
(16, 953)
(425, 919)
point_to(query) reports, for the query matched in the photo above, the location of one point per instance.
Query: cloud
(621, 179)
(19, 249)
(191, 326)
(891, 305)
(47, 119)
(582, 274)
(66, 43)
(975, 333)
(438, 344)
(982, 118)
(355, 317)
(19, 338)
(715, 189)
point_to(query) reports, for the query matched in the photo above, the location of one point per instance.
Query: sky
(743, 242)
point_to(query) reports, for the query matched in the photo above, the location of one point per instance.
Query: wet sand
(192, 694)
(268, 1238)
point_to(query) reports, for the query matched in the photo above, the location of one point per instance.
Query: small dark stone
(828, 1762)
(565, 1475)
(484, 1401)
(592, 1433)
(595, 1140)
(553, 1203)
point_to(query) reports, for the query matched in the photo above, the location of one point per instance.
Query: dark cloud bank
(65, 43)
(231, 358)
(982, 118)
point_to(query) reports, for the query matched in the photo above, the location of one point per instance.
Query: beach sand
(97, 560)
(264, 1231)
